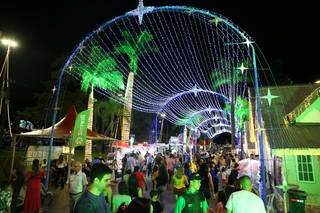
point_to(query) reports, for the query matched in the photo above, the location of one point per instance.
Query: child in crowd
(157, 207)
(221, 203)
(179, 182)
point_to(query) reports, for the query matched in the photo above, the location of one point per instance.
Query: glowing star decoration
(81, 47)
(242, 68)
(247, 42)
(140, 11)
(216, 21)
(269, 97)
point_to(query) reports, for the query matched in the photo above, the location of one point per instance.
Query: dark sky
(48, 29)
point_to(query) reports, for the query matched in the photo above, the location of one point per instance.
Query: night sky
(50, 29)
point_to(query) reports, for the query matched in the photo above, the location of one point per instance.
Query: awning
(62, 129)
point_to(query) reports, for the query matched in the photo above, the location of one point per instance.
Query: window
(305, 170)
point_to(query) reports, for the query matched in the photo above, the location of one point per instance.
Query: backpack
(122, 208)
(193, 202)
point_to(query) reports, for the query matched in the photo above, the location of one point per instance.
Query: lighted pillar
(262, 185)
(88, 147)
(126, 118)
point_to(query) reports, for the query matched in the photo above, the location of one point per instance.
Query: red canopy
(63, 129)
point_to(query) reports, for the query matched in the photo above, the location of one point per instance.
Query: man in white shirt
(245, 201)
(78, 183)
(131, 162)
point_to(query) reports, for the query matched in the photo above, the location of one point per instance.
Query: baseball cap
(195, 176)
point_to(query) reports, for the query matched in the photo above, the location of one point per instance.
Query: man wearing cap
(192, 201)
(245, 201)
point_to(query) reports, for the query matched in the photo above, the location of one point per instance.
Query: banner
(79, 133)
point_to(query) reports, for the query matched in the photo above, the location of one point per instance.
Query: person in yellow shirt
(179, 182)
(194, 167)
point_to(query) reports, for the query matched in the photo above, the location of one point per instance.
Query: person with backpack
(192, 201)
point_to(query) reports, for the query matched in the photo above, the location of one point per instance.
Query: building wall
(311, 188)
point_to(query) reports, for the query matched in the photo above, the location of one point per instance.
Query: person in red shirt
(32, 203)
(140, 177)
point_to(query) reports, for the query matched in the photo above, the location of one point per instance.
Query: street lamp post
(162, 115)
(5, 84)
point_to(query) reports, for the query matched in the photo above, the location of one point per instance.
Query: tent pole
(13, 155)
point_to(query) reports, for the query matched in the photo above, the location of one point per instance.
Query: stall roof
(63, 128)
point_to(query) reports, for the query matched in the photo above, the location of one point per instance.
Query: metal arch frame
(209, 119)
(209, 110)
(195, 91)
(218, 132)
(177, 9)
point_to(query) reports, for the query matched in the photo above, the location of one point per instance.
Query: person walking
(32, 202)
(76, 185)
(179, 182)
(61, 171)
(92, 200)
(123, 198)
(192, 201)
(245, 201)
(207, 187)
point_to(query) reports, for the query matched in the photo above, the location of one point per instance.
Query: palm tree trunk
(126, 118)
(88, 147)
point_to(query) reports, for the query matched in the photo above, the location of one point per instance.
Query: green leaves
(134, 46)
(227, 75)
(101, 72)
(241, 110)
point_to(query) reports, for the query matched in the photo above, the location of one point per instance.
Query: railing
(291, 117)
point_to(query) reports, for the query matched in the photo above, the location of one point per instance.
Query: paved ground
(60, 203)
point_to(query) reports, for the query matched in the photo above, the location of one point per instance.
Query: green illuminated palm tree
(241, 111)
(134, 46)
(224, 77)
(102, 72)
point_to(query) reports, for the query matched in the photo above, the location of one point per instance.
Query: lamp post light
(162, 115)
(5, 84)
(9, 42)
(4, 91)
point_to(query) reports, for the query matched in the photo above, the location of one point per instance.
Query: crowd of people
(206, 182)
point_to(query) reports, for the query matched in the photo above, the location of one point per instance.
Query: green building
(291, 132)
